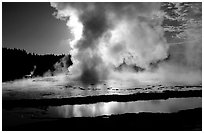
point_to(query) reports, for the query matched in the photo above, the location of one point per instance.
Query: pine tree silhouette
(17, 63)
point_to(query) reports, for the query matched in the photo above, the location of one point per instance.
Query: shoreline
(183, 120)
(100, 98)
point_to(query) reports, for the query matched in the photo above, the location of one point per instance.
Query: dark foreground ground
(183, 120)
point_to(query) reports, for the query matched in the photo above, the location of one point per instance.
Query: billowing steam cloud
(109, 35)
(185, 28)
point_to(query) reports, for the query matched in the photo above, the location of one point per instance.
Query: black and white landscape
(102, 66)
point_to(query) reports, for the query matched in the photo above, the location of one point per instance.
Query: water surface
(155, 106)
(109, 108)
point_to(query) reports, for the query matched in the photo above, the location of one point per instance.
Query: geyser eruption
(106, 35)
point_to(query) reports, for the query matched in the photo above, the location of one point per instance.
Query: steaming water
(43, 89)
(54, 87)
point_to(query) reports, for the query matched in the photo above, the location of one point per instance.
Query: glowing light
(76, 28)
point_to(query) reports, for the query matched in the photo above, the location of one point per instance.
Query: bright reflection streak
(98, 109)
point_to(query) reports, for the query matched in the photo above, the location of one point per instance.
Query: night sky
(31, 26)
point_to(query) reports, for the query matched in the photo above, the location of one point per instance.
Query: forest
(18, 63)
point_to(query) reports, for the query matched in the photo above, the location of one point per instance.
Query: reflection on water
(19, 116)
(98, 109)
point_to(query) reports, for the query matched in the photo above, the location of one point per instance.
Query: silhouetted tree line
(17, 63)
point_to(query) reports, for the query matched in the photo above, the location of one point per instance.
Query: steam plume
(106, 35)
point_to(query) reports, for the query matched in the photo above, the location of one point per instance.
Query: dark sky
(31, 26)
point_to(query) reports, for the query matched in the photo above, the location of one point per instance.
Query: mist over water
(138, 61)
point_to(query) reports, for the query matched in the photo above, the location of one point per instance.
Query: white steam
(107, 35)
